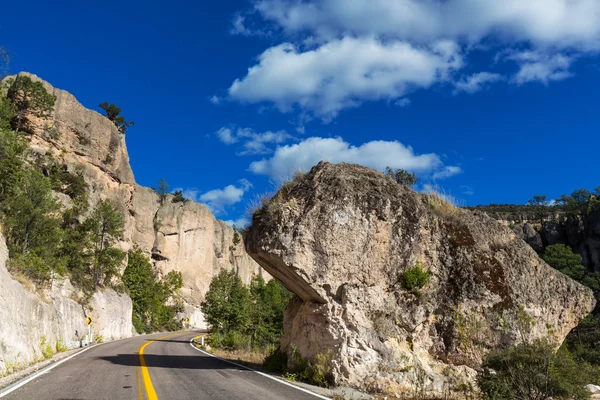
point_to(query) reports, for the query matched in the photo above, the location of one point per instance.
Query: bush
(414, 278)
(276, 361)
(318, 372)
(46, 348)
(61, 347)
(533, 371)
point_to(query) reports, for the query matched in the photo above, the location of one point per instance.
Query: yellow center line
(150, 392)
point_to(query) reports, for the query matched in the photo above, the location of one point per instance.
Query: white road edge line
(43, 371)
(260, 373)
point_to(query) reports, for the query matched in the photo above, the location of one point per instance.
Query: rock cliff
(32, 321)
(541, 227)
(343, 238)
(178, 236)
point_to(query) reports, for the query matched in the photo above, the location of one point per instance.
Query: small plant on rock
(414, 278)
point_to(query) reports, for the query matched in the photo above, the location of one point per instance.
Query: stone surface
(178, 236)
(342, 237)
(26, 317)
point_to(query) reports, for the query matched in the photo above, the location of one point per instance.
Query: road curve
(175, 369)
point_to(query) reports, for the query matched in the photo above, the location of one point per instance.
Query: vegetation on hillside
(112, 112)
(402, 176)
(48, 239)
(155, 303)
(244, 317)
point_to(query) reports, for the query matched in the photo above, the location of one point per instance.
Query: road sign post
(89, 323)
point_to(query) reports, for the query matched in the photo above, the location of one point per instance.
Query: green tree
(162, 188)
(562, 258)
(402, 176)
(150, 296)
(178, 197)
(6, 113)
(227, 303)
(32, 226)
(112, 113)
(105, 226)
(28, 98)
(12, 150)
(539, 200)
(533, 372)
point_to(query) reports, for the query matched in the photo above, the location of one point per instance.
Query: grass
(444, 205)
(46, 348)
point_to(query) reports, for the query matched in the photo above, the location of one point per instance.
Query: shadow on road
(171, 362)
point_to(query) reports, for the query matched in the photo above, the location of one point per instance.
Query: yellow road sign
(89, 320)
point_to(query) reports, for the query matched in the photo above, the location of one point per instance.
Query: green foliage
(61, 347)
(533, 371)
(178, 197)
(539, 200)
(28, 98)
(414, 278)
(154, 301)
(112, 113)
(402, 176)
(12, 151)
(162, 188)
(31, 220)
(318, 372)
(103, 227)
(46, 348)
(6, 113)
(255, 312)
(562, 258)
(276, 361)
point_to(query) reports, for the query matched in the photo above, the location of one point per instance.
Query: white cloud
(227, 136)
(238, 27)
(447, 172)
(342, 53)
(468, 190)
(376, 154)
(254, 142)
(343, 73)
(538, 66)
(216, 200)
(215, 100)
(238, 223)
(563, 23)
(476, 82)
(404, 102)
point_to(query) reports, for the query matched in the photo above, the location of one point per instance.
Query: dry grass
(27, 283)
(444, 204)
(250, 358)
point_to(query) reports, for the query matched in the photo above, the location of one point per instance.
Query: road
(169, 369)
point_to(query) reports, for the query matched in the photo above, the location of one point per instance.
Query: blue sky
(491, 101)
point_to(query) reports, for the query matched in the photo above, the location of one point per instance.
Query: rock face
(581, 233)
(27, 319)
(178, 236)
(344, 236)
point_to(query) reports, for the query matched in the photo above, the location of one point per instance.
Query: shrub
(276, 361)
(46, 348)
(533, 371)
(61, 347)
(414, 278)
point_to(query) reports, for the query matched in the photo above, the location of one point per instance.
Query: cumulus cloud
(216, 200)
(404, 102)
(343, 73)
(541, 67)
(254, 142)
(375, 154)
(447, 172)
(342, 53)
(238, 223)
(564, 23)
(476, 82)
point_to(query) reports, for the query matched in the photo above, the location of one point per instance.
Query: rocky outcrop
(177, 236)
(343, 238)
(544, 226)
(31, 321)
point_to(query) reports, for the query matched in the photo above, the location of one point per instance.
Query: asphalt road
(170, 370)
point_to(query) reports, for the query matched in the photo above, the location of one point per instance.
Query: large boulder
(344, 237)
